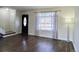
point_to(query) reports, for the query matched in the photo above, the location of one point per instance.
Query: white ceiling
(25, 8)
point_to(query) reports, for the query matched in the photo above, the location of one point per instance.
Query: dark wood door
(25, 24)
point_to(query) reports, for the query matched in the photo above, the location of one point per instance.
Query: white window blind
(46, 21)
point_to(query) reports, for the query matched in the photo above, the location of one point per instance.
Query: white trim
(31, 34)
(10, 35)
(76, 50)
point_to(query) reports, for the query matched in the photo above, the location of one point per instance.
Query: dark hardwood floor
(19, 43)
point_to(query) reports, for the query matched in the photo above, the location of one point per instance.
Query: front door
(25, 24)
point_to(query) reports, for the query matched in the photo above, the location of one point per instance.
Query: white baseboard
(31, 34)
(76, 50)
(11, 35)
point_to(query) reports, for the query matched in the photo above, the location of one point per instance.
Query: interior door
(25, 24)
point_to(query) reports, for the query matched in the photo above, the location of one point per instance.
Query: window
(25, 23)
(46, 21)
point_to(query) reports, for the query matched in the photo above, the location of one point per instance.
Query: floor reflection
(24, 44)
(44, 47)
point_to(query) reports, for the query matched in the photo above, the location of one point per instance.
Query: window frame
(51, 24)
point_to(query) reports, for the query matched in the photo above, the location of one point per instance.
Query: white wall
(76, 30)
(8, 20)
(18, 22)
(62, 13)
(7, 17)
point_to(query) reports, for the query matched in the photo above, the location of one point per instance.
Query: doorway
(25, 24)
